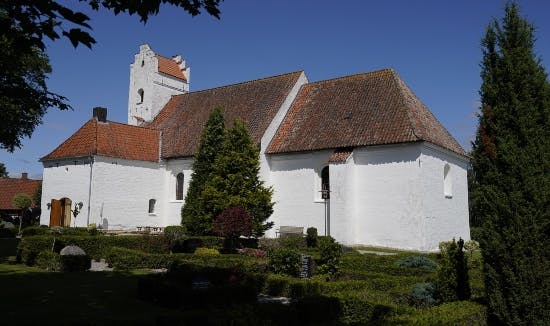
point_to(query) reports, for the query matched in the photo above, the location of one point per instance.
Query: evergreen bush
(49, 260)
(423, 295)
(285, 261)
(453, 283)
(330, 252)
(419, 261)
(311, 237)
(201, 251)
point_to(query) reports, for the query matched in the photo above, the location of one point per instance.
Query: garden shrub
(201, 251)
(423, 295)
(232, 223)
(419, 261)
(285, 261)
(174, 232)
(453, 281)
(35, 230)
(75, 263)
(250, 252)
(269, 244)
(292, 242)
(125, 259)
(311, 237)
(330, 252)
(286, 286)
(48, 260)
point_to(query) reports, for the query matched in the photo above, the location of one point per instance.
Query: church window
(142, 63)
(325, 183)
(179, 186)
(141, 93)
(152, 203)
(447, 182)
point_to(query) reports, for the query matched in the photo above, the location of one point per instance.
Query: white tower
(154, 79)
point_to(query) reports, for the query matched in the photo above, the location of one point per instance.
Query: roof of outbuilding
(9, 187)
(365, 109)
(169, 67)
(110, 139)
(256, 102)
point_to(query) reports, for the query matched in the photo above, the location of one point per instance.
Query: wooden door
(55, 213)
(66, 212)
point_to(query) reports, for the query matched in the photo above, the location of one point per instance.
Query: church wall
(342, 202)
(121, 191)
(445, 210)
(388, 202)
(172, 209)
(66, 179)
(296, 183)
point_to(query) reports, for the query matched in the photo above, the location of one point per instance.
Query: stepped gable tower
(154, 79)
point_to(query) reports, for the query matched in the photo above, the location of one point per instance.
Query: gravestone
(306, 266)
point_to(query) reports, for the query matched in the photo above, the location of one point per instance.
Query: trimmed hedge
(125, 259)
(190, 244)
(49, 260)
(96, 247)
(453, 313)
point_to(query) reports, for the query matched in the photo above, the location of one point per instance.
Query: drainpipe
(90, 189)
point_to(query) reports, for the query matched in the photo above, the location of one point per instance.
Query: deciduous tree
(511, 165)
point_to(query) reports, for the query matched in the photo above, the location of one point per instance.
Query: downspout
(90, 189)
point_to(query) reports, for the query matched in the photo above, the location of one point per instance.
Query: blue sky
(434, 46)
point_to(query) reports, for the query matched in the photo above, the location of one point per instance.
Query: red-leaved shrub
(233, 222)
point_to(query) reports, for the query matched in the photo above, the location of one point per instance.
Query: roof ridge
(240, 83)
(390, 70)
(132, 126)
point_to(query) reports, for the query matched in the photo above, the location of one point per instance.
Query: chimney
(100, 114)
(24, 176)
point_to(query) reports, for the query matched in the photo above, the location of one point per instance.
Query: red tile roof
(169, 67)
(340, 155)
(9, 187)
(256, 102)
(359, 110)
(110, 139)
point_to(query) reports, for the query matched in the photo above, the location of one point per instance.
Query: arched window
(325, 183)
(152, 203)
(179, 186)
(447, 181)
(141, 93)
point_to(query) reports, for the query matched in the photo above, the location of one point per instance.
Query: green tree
(235, 182)
(24, 95)
(23, 202)
(511, 164)
(193, 215)
(3, 171)
(453, 281)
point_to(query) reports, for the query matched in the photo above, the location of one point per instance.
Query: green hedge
(49, 260)
(95, 246)
(453, 313)
(125, 259)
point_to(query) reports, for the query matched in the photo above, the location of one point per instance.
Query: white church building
(358, 157)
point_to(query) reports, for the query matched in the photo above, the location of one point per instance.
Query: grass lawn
(30, 296)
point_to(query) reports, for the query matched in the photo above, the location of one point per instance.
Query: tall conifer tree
(193, 215)
(511, 164)
(235, 181)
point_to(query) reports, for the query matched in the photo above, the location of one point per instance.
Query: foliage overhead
(511, 166)
(24, 25)
(193, 216)
(3, 171)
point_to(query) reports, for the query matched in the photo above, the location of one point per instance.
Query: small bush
(453, 281)
(311, 237)
(75, 263)
(256, 253)
(285, 261)
(126, 259)
(423, 295)
(292, 242)
(420, 261)
(48, 260)
(330, 252)
(269, 244)
(201, 251)
(174, 233)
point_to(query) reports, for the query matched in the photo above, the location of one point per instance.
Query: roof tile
(169, 67)
(9, 187)
(359, 110)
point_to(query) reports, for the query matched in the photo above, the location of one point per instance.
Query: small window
(142, 63)
(141, 93)
(179, 186)
(325, 183)
(447, 182)
(152, 203)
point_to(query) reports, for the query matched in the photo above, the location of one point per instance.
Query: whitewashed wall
(388, 196)
(445, 217)
(172, 209)
(119, 195)
(296, 182)
(66, 179)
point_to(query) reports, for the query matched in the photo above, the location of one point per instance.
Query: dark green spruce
(194, 217)
(511, 166)
(235, 182)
